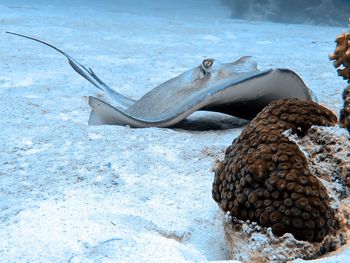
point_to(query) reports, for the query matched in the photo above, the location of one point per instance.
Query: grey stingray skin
(237, 88)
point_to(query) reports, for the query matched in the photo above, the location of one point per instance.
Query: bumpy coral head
(265, 178)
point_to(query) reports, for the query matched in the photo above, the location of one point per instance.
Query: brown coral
(265, 178)
(345, 111)
(341, 56)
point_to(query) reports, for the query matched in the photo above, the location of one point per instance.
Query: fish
(236, 88)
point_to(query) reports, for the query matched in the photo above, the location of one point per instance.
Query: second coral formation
(265, 177)
(345, 111)
(341, 57)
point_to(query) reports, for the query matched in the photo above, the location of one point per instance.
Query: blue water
(324, 12)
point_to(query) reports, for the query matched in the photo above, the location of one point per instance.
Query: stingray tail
(88, 74)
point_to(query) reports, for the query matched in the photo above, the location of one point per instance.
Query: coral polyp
(265, 178)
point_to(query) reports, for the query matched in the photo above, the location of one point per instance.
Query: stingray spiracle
(265, 178)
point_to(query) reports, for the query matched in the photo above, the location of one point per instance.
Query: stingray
(237, 88)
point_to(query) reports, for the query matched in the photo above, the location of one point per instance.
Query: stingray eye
(207, 63)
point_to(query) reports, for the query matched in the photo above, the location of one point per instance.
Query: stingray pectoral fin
(103, 113)
(88, 74)
(247, 63)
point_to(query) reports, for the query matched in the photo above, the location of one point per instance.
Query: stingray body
(237, 88)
